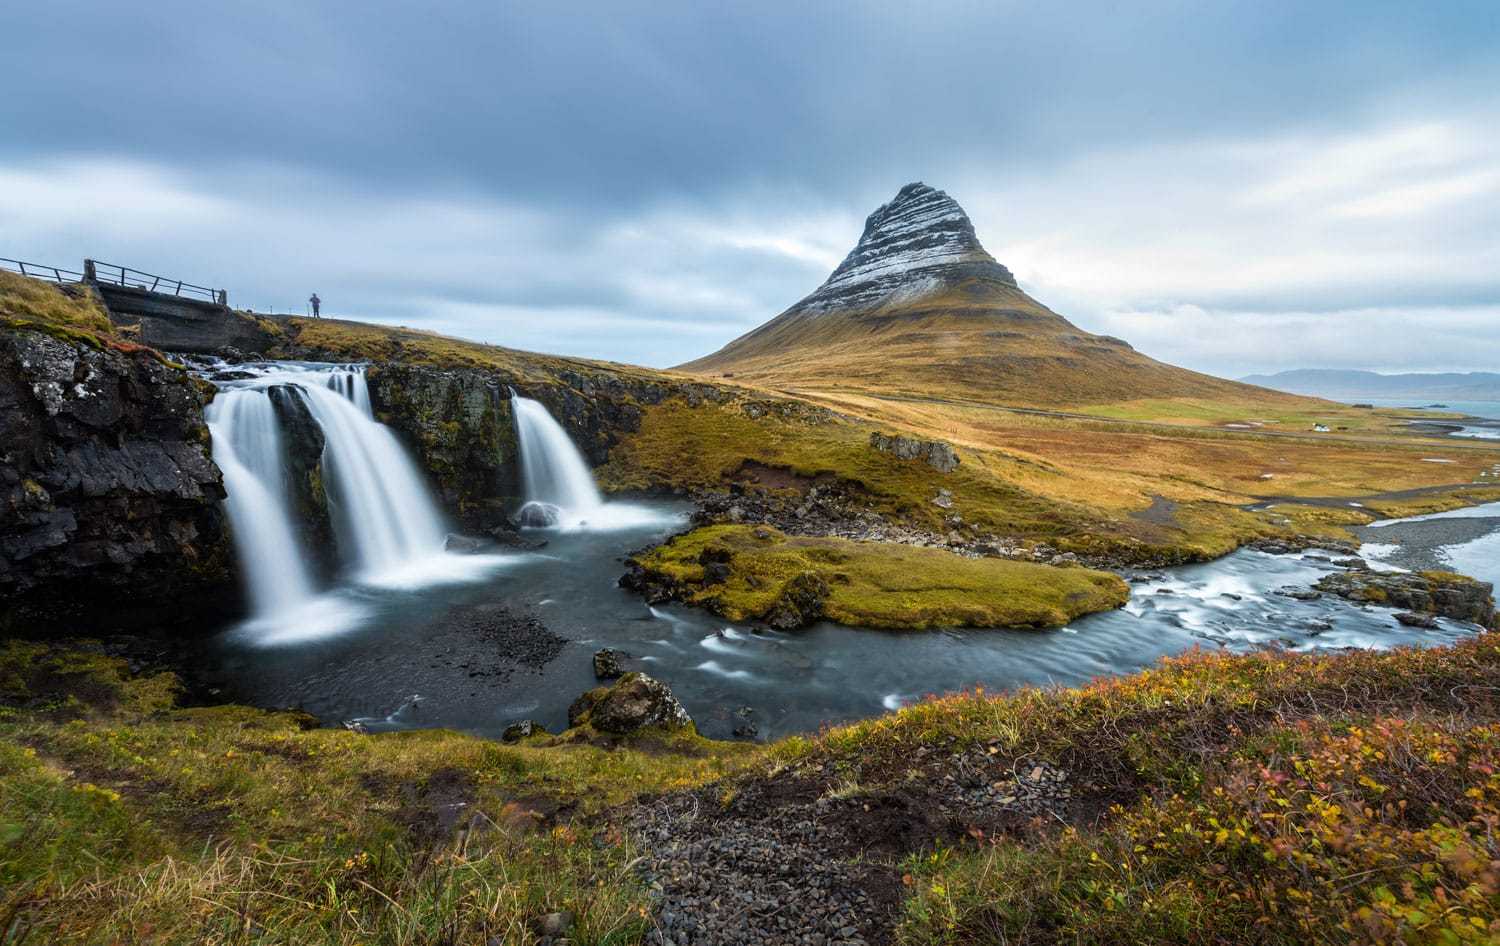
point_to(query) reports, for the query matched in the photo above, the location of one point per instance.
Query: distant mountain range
(919, 308)
(1343, 385)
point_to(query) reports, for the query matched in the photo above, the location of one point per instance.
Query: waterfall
(552, 469)
(389, 529)
(247, 448)
(558, 487)
(379, 497)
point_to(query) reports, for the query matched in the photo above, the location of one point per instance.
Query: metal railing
(39, 271)
(113, 274)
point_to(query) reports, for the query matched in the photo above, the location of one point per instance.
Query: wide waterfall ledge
(389, 533)
(558, 486)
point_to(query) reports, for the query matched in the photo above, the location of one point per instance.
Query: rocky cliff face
(303, 442)
(459, 422)
(112, 518)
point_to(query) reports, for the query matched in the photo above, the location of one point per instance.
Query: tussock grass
(125, 818)
(33, 303)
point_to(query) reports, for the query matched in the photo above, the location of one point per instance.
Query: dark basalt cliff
(459, 423)
(111, 518)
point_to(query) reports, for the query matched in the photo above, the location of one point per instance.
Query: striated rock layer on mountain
(918, 307)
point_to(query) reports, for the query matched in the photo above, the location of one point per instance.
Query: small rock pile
(739, 877)
(813, 857)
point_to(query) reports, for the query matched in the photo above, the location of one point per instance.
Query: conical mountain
(918, 307)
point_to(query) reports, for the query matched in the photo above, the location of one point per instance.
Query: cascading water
(382, 504)
(553, 470)
(390, 531)
(247, 448)
(559, 488)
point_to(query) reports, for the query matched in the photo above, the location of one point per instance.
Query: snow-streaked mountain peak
(910, 246)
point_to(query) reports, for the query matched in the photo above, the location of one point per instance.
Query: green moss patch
(872, 584)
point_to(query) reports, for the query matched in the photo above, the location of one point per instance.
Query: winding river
(477, 642)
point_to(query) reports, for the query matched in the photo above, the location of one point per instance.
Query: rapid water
(552, 468)
(429, 643)
(418, 649)
(247, 447)
(390, 532)
(381, 506)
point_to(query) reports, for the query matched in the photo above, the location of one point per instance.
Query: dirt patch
(1161, 512)
(433, 809)
(775, 477)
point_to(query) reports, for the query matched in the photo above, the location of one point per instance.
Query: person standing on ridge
(316, 303)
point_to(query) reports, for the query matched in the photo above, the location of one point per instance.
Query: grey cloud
(645, 183)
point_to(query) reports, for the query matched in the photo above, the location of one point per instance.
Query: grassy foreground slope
(1269, 798)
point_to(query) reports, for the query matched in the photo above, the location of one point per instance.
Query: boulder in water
(635, 702)
(462, 544)
(607, 664)
(535, 515)
(1439, 593)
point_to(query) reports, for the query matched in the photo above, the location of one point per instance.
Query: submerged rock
(1412, 619)
(536, 515)
(462, 544)
(635, 702)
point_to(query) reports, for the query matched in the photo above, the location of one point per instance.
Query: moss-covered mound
(756, 572)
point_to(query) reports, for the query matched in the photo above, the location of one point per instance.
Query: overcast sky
(1233, 187)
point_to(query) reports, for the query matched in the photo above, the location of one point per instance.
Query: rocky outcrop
(302, 440)
(634, 703)
(459, 422)
(935, 453)
(1440, 593)
(112, 518)
(800, 604)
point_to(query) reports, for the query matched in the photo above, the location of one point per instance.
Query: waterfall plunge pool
(422, 643)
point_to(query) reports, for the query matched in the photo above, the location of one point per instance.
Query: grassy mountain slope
(977, 340)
